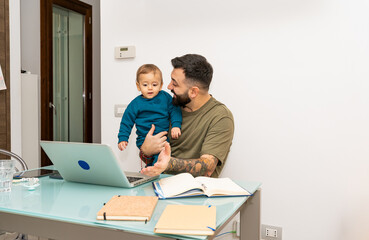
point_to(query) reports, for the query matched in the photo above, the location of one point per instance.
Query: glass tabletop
(79, 203)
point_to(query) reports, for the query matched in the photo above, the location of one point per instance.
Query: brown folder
(132, 208)
(187, 220)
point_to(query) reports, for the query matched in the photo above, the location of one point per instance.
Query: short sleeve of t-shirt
(218, 139)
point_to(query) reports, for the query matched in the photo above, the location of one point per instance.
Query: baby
(153, 106)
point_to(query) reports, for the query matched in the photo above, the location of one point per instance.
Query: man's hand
(153, 144)
(162, 163)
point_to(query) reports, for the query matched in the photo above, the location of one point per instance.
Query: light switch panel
(119, 109)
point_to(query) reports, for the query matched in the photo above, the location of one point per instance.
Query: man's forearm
(203, 166)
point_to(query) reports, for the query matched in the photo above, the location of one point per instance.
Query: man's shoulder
(219, 107)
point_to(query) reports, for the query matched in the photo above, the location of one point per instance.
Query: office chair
(3, 234)
(18, 158)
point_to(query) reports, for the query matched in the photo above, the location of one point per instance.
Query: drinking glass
(6, 175)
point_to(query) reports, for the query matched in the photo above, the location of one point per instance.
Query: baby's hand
(122, 145)
(176, 132)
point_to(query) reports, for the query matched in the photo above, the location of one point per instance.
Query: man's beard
(181, 100)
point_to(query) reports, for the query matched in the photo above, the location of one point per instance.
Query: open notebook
(185, 185)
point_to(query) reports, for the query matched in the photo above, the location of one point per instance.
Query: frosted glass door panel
(76, 76)
(60, 73)
(68, 75)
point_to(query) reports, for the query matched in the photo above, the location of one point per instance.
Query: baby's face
(149, 84)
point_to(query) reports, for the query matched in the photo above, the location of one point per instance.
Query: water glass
(6, 175)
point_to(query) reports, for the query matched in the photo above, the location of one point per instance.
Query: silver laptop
(90, 163)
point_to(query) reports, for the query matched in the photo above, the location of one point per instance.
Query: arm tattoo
(203, 166)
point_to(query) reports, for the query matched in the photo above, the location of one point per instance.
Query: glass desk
(65, 210)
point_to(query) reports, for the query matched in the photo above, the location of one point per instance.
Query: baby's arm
(175, 114)
(126, 125)
(176, 132)
(122, 145)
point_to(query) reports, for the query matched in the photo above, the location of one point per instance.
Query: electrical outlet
(269, 232)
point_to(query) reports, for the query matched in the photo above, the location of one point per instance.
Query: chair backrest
(22, 163)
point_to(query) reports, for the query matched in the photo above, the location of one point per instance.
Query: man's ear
(138, 86)
(193, 92)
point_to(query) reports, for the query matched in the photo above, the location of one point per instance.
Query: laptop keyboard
(133, 179)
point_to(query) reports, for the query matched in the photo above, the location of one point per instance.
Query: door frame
(46, 12)
(5, 121)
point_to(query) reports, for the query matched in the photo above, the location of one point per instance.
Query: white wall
(294, 74)
(30, 35)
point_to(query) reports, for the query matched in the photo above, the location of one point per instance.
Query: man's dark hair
(196, 68)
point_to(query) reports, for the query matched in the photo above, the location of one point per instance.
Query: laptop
(90, 163)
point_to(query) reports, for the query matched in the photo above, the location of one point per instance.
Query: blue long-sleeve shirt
(144, 112)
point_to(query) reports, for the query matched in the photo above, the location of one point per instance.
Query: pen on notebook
(211, 228)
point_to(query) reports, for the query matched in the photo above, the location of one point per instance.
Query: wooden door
(4, 62)
(47, 107)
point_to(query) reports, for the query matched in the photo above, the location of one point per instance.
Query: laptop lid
(90, 163)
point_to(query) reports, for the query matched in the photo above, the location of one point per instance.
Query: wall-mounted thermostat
(125, 52)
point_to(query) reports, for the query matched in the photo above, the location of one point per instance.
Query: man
(207, 125)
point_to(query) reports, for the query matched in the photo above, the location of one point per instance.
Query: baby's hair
(149, 68)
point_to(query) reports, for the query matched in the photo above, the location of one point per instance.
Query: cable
(224, 233)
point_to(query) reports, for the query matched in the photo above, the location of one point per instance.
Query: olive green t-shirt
(208, 130)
